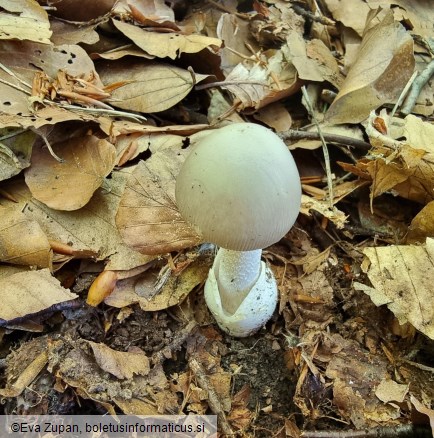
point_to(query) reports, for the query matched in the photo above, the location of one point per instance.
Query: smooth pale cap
(240, 187)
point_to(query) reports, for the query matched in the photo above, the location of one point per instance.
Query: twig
(294, 134)
(213, 399)
(416, 88)
(310, 15)
(324, 146)
(404, 93)
(224, 83)
(406, 430)
(125, 114)
(180, 338)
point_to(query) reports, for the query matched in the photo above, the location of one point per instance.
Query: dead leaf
(422, 225)
(344, 11)
(276, 116)
(20, 294)
(424, 410)
(92, 228)
(65, 32)
(336, 216)
(383, 66)
(148, 218)
(26, 20)
(154, 292)
(149, 88)
(69, 185)
(388, 391)
(401, 279)
(22, 242)
(122, 365)
(164, 45)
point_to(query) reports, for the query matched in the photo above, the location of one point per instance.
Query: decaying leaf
(148, 88)
(122, 365)
(401, 278)
(164, 45)
(20, 294)
(69, 185)
(323, 207)
(91, 228)
(24, 20)
(22, 242)
(383, 66)
(155, 291)
(148, 218)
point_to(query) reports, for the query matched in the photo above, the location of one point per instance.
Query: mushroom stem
(236, 273)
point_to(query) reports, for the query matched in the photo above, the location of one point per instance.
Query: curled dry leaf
(156, 292)
(69, 185)
(150, 88)
(148, 218)
(164, 45)
(401, 276)
(22, 241)
(383, 66)
(24, 20)
(20, 294)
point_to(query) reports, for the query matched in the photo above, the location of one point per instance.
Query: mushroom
(240, 189)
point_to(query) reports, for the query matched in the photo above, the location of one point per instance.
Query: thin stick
(406, 430)
(416, 88)
(324, 146)
(213, 399)
(294, 134)
(404, 93)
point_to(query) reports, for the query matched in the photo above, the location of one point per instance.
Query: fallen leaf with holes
(148, 218)
(148, 88)
(24, 20)
(20, 294)
(70, 184)
(22, 241)
(164, 45)
(120, 364)
(383, 66)
(401, 276)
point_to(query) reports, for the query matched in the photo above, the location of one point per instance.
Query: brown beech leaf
(90, 229)
(69, 185)
(119, 363)
(383, 66)
(149, 88)
(148, 218)
(22, 241)
(24, 20)
(21, 294)
(401, 276)
(164, 45)
(155, 292)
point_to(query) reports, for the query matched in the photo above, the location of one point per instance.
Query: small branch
(401, 431)
(324, 146)
(311, 16)
(404, 93)
(224, 83)
(294, 134)
(213, 399)
(416, 88)
(180, 338)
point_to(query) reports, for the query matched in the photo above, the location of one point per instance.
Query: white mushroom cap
(240, 187)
